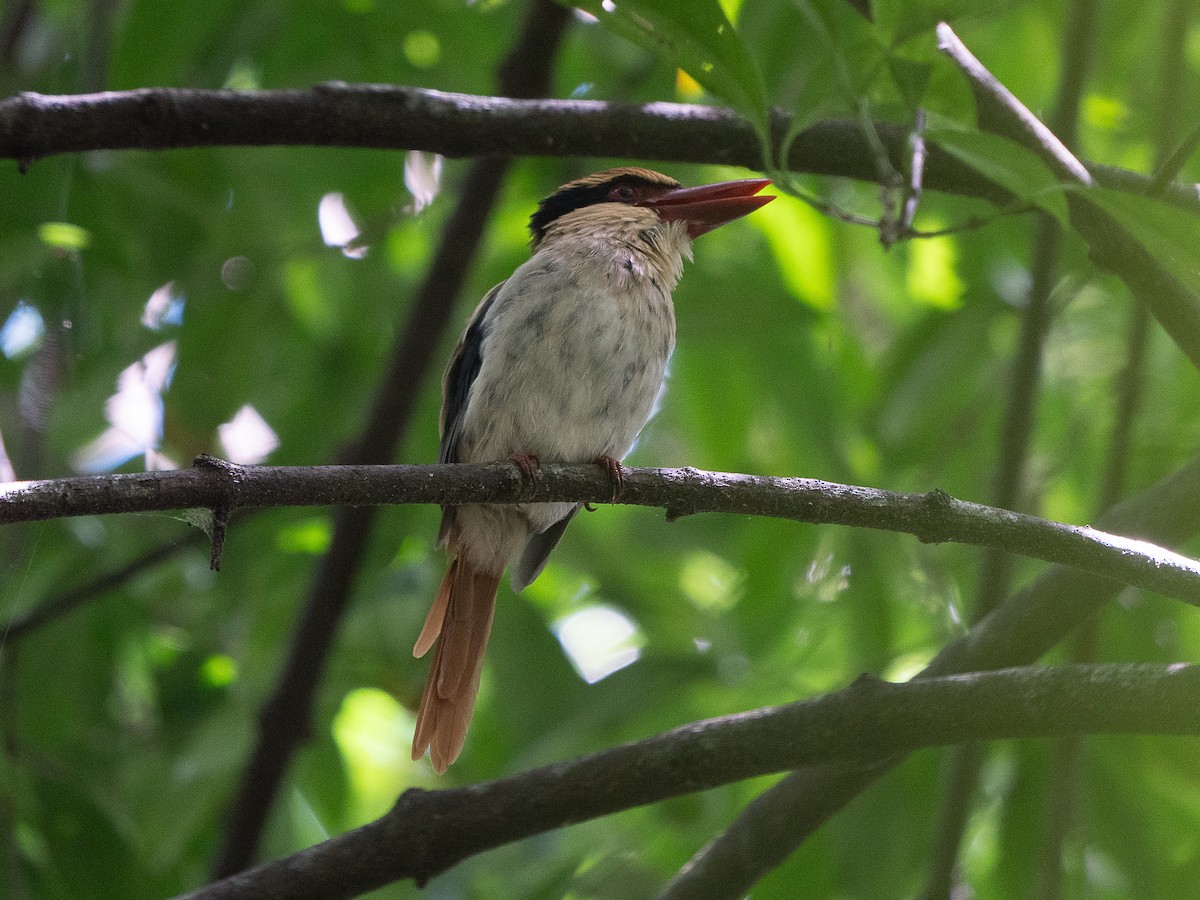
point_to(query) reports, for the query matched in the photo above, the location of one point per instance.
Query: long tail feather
(461, 633)
(432, 628)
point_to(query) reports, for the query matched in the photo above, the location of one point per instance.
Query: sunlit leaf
(310, 536)
(373, 732)
(932, 277)
(799, 241)
(219, 670)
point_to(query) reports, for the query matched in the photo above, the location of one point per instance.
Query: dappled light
(338, 228)
(165, 307)
(135, 416)
(710, 582)
(22, 330)
(422, 177)
(372, 732)
(599, 640)
(247, 438)
(236, 272)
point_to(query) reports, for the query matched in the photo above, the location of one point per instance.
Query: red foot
(528, 462)
(615, 474)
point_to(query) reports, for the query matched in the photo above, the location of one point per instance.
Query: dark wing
(460, 375)
(537, 551)
(456, 389)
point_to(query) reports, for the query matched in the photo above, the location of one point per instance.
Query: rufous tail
(459, 621)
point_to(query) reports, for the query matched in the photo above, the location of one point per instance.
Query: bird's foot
(529, 464)
(616, 474)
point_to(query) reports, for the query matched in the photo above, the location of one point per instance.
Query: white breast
(573, 360)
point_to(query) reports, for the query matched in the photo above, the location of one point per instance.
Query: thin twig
(1001, 112)
(916, 175)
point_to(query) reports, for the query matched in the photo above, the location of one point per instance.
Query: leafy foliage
(804, 349)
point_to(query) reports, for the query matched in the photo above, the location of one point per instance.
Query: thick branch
(427, 832)
(390, 117)
(932, 517)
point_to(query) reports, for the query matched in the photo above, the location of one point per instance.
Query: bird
(562, 362)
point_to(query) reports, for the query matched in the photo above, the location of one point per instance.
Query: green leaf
(1009, 165)
(838, 67)
(856, 54)
(696, 37)
(911, 78)
(1172, 238)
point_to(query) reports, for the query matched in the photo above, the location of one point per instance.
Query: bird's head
(701, 209)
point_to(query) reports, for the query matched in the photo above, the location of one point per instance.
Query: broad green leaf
(696, 36)
(1009, 165)
(1172, 238)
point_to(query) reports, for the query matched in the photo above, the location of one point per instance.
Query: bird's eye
(623, 193)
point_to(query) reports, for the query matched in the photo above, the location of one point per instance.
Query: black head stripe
(564, 201)
(588, 191)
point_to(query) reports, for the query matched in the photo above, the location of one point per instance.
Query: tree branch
(1015, 633)
(393, 117)
(933, 517)
(428, 832)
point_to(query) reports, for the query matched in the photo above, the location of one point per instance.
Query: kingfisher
(562, 362)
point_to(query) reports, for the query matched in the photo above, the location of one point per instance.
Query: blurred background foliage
(199, 283)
